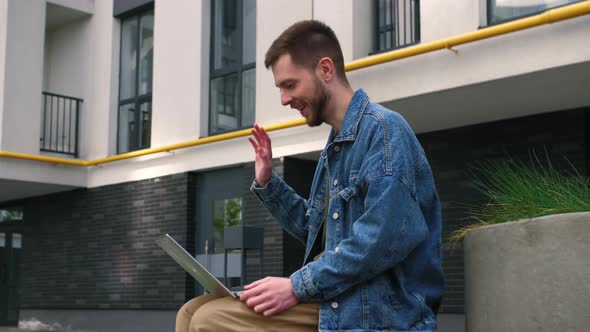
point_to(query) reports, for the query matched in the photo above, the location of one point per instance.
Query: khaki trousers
(210, 313)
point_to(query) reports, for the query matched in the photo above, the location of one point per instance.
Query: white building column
(181, 71)
(352, 21)
(23, 36)
(98, 127)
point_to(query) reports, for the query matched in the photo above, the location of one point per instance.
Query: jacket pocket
(347, 193)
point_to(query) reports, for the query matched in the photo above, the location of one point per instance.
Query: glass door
(219, 205)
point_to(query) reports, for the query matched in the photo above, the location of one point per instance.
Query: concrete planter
(529, 275)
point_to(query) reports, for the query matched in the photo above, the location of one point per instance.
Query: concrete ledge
(529, 275)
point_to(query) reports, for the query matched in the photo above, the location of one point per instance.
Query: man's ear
(326, 69)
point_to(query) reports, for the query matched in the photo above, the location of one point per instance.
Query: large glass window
(505, 10)
(233, 61)
(135, 82)
(397, 24)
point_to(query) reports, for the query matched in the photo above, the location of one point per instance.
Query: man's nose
(285, 99)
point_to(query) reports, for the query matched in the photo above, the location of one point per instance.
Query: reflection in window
(135, 82)
(233, 56)
(504, 10)
(2, 240)
(226, 213)
(11, 214)
(17, 241)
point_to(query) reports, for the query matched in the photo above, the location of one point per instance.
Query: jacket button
(337, 148)
(337, 249)
(335, 182)
(335, 305)
(335, 215)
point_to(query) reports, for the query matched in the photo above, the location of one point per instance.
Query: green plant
(518, 191)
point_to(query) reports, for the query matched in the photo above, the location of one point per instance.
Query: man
(371, 225)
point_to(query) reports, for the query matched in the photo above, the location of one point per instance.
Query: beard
(317, 105)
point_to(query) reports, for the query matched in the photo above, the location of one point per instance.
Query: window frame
(237, 69)
(488, 14)
(136, 100)
(377, 28)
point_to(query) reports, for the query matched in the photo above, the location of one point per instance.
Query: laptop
(194, 268)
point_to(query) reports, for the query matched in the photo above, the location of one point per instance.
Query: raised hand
(263, 150)
(269, 296)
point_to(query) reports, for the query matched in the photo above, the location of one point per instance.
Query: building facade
(85, 80)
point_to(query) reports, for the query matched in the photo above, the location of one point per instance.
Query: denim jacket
(381, 269)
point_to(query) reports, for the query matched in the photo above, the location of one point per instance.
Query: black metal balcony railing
(59, 124)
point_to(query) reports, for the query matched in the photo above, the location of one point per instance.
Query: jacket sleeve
(382, 237)
(285, 205)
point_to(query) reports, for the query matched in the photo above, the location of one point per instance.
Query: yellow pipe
(46, 159)
(138, 153)
(550, 16)
(200, 141)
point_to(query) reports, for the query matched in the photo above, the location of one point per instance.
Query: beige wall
(99, 119)
(66, 59)
(23, 72)
(443, 19)
(181, 71)
(272, 18)
(3, 24)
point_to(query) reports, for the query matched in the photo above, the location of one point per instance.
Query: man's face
(301, 89)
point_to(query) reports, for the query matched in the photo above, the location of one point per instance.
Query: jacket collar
(353, 115)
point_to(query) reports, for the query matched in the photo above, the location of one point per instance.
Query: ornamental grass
(517, 190)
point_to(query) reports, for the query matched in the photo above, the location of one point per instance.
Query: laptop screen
(193, 267)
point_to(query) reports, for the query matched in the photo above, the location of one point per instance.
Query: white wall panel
(273, 17)
(180, 78)
(23, 75)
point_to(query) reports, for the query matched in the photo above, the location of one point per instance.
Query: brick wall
(94, 248)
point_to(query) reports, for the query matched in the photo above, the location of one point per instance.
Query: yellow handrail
(547, 17)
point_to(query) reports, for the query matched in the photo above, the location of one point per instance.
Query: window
(226, 213)
(11, 214)
(135, 82)
(233, 65)
(397, 24)
(505, 10)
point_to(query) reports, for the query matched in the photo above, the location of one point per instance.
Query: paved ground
(14, 329)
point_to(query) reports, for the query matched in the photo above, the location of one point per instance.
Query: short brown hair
(307, 42)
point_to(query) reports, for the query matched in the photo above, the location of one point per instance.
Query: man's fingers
(255, 283)
(272, 311)
(254, 144)
(263, 138)
(256, 135)
(253, 301)
(251, 291)
(263, 307)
